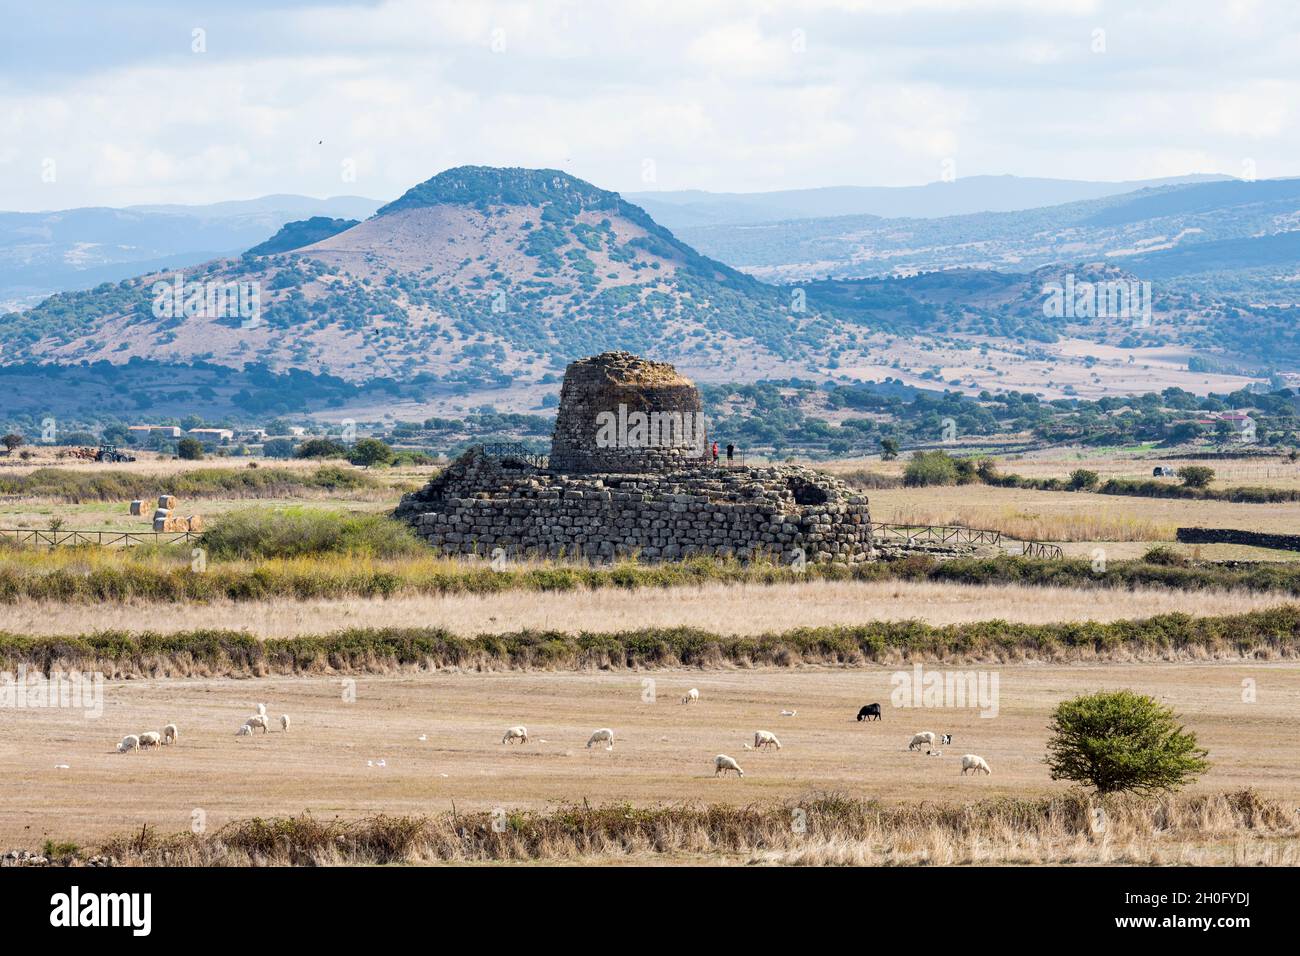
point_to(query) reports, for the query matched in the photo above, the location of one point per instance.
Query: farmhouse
(631, 474)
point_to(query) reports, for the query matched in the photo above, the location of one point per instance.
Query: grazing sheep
(722, 763)
(244, 731)
(284, 722)
(170, 734)
(258, 720)
(765, 738)
(945, 739)
(515, 733)
(129, 742)
(150, 739)
(692, 694)
(926, 738)
(750, 747)
(604, 734)
(974, 762)
(789, 713)
(869, 712)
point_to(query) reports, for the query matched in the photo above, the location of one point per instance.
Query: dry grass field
(356, 759)
(1073, 516)
(745, 609)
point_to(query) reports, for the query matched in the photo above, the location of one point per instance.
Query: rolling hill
(46, 252)
(480, 284)
(480, 276)
(1129, 230)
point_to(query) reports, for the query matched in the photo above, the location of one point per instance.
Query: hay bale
(137, 508)
(159, 524)
(162, 513)
(196, 522)
(167, 501)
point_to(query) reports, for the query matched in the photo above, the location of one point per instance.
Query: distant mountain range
(975, 194)
(1199, 231)
(46, 252)
(484, 281)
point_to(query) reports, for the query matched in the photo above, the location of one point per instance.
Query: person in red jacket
(715, 453)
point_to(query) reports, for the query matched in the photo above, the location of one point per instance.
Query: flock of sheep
(170, 734)
(765, 739)
(150, 738)
(722, 763)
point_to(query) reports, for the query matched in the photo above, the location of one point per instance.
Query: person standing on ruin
(715, 453)
(731, 453)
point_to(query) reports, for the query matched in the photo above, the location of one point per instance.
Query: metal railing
(934, 534)
(507, 451)
(55, 539)
(1038, 549)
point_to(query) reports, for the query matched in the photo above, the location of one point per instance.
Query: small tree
(370, 451)
(1196, 476)
(320, 448)
(191, 449)
(1118, 741)
(930, 468)
(11, 441)
(888, 449)
(1081, 479)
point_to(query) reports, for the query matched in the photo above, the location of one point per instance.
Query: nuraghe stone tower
(629, 475)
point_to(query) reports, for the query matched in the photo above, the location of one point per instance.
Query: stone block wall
(477, 506)
(614, 382)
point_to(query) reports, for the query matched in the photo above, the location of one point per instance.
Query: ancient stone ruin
(631, 475)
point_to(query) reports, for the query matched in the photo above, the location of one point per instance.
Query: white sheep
(170, 734)
(692, 694)
(261, 710)
(974, 762)
(258, 720)
(150, 739)
(602, 735)
(515, 733)
(129, 742)
(284, 722)
(765, 738)
(926, 738)
(244, 731)
(722, 763)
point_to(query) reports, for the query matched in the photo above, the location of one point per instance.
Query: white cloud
(715, 93)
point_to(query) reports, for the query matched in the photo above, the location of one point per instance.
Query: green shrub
(1081, 479)
(320, 448)
(1121, 741)
(370, 451)
(930, 468)
(1166, 556)
(190, 449)
(259, 533)
(1196, 476)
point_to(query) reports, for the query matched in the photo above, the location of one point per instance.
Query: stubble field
(329, 763)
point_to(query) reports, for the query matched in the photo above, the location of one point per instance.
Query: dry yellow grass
(329, 762)
(1072, 516)
(723, 609)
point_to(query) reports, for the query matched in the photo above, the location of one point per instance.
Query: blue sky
(113, 104)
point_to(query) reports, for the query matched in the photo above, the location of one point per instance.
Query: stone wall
(1258, 539)
(477, 506)
(620, 383)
